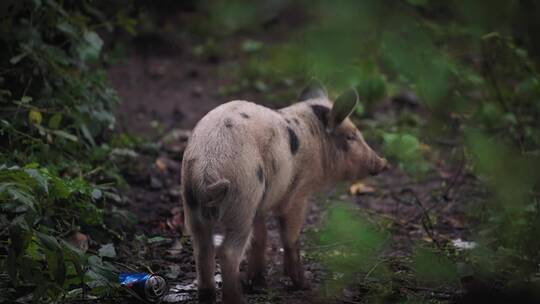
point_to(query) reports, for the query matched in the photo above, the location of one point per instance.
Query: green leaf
(59, 188)
(39, 178)
(157, 239)
(76, 256)
(55, 121)
(89, 213)
(26, 99)
(49, 242)
(19, 195)
(86, 133)
(101, 273)
(90, 49)
(56, 265)
(67, 28)
(66, 135)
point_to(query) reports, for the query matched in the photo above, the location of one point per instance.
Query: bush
(56, 109)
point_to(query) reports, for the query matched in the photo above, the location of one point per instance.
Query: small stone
(197, 91)
(155, 183)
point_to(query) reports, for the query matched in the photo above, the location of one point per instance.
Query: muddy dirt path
(167, 93)
(164, 92)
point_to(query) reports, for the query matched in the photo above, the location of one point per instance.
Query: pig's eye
(352, 136)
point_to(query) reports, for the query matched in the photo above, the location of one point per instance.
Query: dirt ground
(166, 90)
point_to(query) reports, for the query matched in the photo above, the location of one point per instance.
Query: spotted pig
(245, 161)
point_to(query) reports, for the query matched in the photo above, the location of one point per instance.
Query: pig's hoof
(207, 296)
(300, 285)
(255, 285)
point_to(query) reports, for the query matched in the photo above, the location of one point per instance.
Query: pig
(245, 161)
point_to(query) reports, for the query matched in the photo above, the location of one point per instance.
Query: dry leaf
(79, 240)
(160, 164)
(360, 188)
(425, 148)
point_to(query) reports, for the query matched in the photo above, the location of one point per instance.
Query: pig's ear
(314, 89)
(343, 107)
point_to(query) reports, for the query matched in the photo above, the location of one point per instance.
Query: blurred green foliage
(348, 242)
(473, 66)
(432, 268)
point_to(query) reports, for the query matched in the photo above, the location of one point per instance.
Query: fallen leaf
(425, 148)
(361, 188)
(160, 164)
(176, 248)
(79, 240)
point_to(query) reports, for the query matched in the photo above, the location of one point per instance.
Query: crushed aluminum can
(144, 286)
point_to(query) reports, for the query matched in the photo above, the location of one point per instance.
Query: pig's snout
(379, 165)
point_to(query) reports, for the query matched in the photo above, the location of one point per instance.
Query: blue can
(145, 286)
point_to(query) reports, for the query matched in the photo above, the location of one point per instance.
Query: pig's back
(234, 129)
(243, 143)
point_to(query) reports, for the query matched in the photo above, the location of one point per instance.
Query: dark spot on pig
(228, 123)
(296, 121)
(244, 115)
(260, 174)
(274, 165)
(189, 192)
(322, 113)
(287, 120)
(294, 142)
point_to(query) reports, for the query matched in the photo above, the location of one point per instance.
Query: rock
(174, 193)
(164, 163)
(197, 91)
(155, 183)
(175, 141)
(406, 98)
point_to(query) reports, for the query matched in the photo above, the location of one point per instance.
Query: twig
(456, 176)
(374, 267)
(126, 266)
(331, 245)
(427, 224)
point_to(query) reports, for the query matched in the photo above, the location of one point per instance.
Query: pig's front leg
(256, 259)
(291, 220)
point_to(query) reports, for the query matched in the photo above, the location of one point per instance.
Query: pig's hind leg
(204, 260)
(256, 256)
(231, 252)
